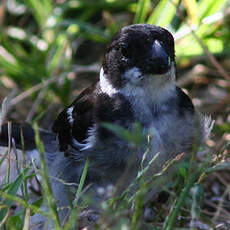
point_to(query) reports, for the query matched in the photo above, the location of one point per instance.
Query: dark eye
(126, 51)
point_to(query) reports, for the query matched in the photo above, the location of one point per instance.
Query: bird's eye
(126, 51)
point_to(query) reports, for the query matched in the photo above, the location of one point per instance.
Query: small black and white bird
(137, 85)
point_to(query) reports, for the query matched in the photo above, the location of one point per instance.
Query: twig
(225, 213)
(36, 104)
(9, 151)
(33, 89)
(76, 69)
(5, 107)
(211, 57)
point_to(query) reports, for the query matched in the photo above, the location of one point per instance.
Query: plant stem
(45, 179)
(171, 219)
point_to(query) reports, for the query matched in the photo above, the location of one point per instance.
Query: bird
(137, 85)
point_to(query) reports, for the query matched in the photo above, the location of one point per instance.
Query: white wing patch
(89, 141)
(70, 115)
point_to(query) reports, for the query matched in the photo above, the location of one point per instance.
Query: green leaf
(14, 223)
(163, 13)
(41, 10)
(183, 169)
(37, 203)
(183, 49)
(208, 7)
(57, 57)
(12, 189)
(191, 8)
(86, 30)
(142, 11)
(135, 137)
(3, 157)
(82, 180)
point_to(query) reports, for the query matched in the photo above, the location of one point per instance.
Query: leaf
(86, 30)
(37, 203)
(183, 49)
(191, 8)
(3, 157)
(163, 13)
(14, 223)
(208, 7)
(41, 10)
(12, 189)
(134, 137)
(142, 11)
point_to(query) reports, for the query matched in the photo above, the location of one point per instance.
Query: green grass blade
(86, 30)
(74, 212)
(12, 189)
(3, 157)
(20, 201)
(82, 181)
(164, 13)
(142, 11)
(192, 9)
(51, 203)
(208, 7)
(41, 10)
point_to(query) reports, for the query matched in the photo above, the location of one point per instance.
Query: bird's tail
(24, 136)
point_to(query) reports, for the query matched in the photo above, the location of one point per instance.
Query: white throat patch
(133, 75)
(153, 88)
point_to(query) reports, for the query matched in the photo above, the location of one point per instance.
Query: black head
(147, 48)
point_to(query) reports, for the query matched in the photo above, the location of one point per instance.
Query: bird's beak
(160, 59)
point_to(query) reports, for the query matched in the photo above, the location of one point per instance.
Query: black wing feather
(82, 116)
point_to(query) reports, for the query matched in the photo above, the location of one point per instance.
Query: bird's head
(139, 52)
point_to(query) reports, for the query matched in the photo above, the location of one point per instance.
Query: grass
(40, 55)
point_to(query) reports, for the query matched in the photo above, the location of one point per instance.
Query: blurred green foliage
(37, 37)
(38, 43)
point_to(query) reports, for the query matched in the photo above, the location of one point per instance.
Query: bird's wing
(74, 123)
(184, 102)
(78, 125)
